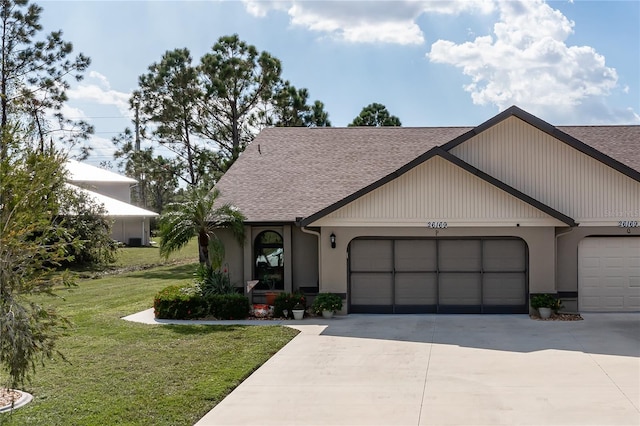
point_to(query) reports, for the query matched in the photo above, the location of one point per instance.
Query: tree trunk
(203, 248)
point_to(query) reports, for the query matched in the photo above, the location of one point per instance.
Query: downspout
(317, 234)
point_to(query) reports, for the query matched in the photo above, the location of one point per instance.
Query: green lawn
(119, 372)
(138, 258)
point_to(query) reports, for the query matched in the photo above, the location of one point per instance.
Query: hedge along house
(460, 220)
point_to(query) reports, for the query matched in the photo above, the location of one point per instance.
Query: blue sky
(431, 63)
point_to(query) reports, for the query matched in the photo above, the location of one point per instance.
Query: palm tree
(198, 216)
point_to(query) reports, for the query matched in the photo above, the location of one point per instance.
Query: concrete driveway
(446, 370)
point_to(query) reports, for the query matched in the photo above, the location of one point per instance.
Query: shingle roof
(622, 143)
(288, 173)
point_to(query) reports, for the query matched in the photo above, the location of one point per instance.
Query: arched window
(269, 261)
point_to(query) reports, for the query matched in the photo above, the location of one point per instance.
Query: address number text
(437, 225)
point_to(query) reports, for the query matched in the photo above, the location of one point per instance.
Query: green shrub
(288, 301)
(213, 281)
(327, 302)
(546, 300)
(228, 306)
(177, 302)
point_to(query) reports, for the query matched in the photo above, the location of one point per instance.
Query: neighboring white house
(113, 191)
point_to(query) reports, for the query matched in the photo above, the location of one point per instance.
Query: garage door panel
(608, 274)
(371, 289)
(504, 289)
(372, 255)
(633, 303)
(416, 289)
(504, 255)
(460, 255)
(460, 289)
(591, 263)
(415, 255)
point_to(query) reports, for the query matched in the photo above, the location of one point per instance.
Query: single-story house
(442, 219)
(130, 224)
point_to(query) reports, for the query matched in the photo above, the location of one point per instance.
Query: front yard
(118, 372)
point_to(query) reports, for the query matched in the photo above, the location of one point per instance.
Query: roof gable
(619, 164)
(551, 171)
(497, 191)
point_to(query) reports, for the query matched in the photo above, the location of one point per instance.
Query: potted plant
(271, 294)
(327, 304)
(285, 304)
(298, 311)
(545, 304)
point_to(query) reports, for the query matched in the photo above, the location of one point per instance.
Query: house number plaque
(437, 225)
(628, 224)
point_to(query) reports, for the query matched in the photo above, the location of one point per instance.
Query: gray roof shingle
(290, 172)
(622, 143)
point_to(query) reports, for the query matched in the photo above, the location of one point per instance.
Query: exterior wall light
(332, 238)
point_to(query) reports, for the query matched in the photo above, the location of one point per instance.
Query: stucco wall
(233, 256)
(304, 253)
(540, 243)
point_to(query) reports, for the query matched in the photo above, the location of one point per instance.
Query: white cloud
(70, 112)
(104, 82)
(366, 21)
(260, 8)
(527, 62)
(96, 88)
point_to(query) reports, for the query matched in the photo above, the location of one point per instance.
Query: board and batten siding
(437, 190)
(553, 172)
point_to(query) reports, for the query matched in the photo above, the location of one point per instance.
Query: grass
(150, 256)
(119, 372)
(136, 258)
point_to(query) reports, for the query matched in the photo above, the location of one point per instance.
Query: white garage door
(609, 274)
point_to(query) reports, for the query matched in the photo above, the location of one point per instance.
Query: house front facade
(443, 220)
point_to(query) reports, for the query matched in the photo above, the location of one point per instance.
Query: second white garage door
(609, 274)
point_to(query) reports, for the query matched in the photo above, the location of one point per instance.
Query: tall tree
(318, 117)
(168, 99)
(197, 217)
(43, 224)
(34, 77)
(236, 79)
(375, 115)
(157, 176)
(290, 108)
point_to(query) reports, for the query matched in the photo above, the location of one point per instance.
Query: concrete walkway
(445, 370)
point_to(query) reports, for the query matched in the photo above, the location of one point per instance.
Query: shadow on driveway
(608, 334)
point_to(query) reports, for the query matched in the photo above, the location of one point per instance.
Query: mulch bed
(558, 317)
